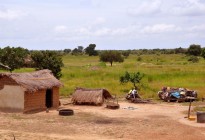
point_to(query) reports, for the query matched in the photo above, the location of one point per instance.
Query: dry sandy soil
(132, 121)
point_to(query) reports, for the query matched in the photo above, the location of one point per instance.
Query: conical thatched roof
(90, 96)
(34, 81)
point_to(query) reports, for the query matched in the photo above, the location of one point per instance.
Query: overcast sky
(110, 24)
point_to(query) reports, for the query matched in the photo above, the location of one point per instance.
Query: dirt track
(131, 121)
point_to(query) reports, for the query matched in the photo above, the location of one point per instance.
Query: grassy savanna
(160, 70)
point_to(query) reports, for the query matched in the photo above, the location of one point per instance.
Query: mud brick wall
(37, 100)
(55, 97)
(34, 101)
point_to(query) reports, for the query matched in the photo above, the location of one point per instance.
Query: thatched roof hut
(33, 81)
(29, 91)
(90, 96)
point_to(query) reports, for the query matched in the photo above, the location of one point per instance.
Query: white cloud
(188, 8)
(145, 8)
(102, 32)
(160, 28)
(83, 30)
(127, 23)
(197, 28)
(60, 29)
(99, 20)
(129, 31)
(126, 31)
(11, 14)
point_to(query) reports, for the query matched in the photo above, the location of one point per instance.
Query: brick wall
(55, 97)
(37, 101)
(34, 101)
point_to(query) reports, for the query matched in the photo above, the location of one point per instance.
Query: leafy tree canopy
(126, 53)
(67, 50)
(48, 60)
(80, 49)
(77, 51)
(134, 78)
(180, 50)
(13, 57)
(194, 50)
(111, 56)
(203, 53)
(90, 50)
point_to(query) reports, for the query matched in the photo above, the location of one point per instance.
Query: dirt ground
(132, 121)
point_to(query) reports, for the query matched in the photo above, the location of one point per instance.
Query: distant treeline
(179, 50)
(192, 50)
(77, 51)
(17, 57)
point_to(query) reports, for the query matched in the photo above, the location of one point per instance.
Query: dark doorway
(49, 98)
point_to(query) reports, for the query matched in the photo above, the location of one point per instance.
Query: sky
(110, 24)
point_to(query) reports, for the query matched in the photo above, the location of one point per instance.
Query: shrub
(193, 59)
(139, 58)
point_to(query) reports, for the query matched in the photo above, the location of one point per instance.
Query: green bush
(193, 59)
(139, 58)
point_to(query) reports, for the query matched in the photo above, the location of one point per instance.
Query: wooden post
(189, 109)
(190, 99)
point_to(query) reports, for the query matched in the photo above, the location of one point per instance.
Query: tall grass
(160, 70)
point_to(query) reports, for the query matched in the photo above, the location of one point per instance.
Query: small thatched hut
(29, 91)
(90, 96)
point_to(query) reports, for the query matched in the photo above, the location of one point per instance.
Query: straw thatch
(90, 96)
(34, 81)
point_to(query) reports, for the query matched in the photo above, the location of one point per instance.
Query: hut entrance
(49, 98)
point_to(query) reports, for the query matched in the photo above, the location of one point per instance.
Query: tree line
(193, 49)
(12, 58)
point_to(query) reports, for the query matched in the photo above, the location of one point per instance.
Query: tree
(90, 50)
(80, 49)
(2, 66)
(203, 53)
(111, 56)
(179, 50)
(134, 78)
(77, 51)
(48, 60)
(126, 53)
(194, 50)
(67, 50)
(13, 57)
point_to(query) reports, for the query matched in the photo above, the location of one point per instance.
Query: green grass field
(160, 70)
